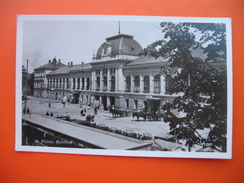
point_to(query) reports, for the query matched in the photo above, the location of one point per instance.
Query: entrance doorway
(104, 102)
(75, 98)
(112, 101)
(146, 105)
(155, 106)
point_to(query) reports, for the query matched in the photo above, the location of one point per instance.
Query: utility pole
(26, 84)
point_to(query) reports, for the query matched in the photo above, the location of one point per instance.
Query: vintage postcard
(124, 86)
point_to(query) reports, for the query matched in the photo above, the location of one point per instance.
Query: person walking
(82, 112)
(95, 110)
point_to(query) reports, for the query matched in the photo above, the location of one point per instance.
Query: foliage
(203, 85)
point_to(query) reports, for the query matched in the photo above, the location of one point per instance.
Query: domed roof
(120, 44)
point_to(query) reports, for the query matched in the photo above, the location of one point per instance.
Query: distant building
(40, 80)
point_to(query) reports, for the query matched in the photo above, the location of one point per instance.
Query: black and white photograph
(124, 86)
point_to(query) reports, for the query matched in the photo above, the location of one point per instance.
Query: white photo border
(166, 154)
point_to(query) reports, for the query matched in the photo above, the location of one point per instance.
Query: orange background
(44, 167)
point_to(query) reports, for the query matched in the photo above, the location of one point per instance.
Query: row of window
(105, 71)
(39, 74)
(146, 84)
(83, 84)
(136, 89)
(105, 84)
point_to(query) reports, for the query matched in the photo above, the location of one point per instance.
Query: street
(40, 106)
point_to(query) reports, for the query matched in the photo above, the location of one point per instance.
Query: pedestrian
(189, 143)
(82, 112)
(92, 118)
(47, 114)
(28, 112)
(95, 110)
(51, 114)
(49, 105)
(24, 111)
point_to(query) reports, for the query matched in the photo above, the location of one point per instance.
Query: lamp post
(26, 84)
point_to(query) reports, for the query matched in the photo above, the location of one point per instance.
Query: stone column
(151, 86)
(121, 80)
(108, 80)
(93, 81)
(70, 83)
(64, 83)
(85, 83)
(116, 79)
(101, 80)
(132, 84)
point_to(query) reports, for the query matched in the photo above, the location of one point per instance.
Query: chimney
(49, 61)
(54, 61)
(82, 64)
(68, 63)
(71, 64)
(59, 61)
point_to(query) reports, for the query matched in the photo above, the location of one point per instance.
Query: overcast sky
(77, 40)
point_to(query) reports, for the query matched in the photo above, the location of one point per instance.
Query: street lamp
(26, 84)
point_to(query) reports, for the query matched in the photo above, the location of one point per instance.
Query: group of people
(27, 111)
(47, 114)
(90, 118)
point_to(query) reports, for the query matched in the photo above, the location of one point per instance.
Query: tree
(201, 80)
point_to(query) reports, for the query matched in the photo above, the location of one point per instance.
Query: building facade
(40, 79)
(117, 76)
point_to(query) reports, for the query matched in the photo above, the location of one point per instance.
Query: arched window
(78, 83)
(98, 84)
(128, 84)
(73, 83)
(83, 83)
(67, 83)
(137, 84)
(87, 83)
(157, 84)
(146, 84)
(168, 79)
(112, 84)
(105, 83)
(60, 83)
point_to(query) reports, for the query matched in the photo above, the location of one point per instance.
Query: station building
(117, 76)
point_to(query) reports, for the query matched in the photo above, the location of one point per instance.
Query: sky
(77, 40)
